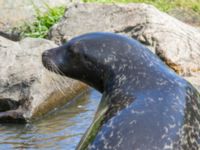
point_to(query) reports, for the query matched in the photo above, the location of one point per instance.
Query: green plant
(40, 27)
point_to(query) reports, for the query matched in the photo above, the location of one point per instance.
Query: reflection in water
(59, 130)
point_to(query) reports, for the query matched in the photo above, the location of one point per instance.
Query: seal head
(72, 60)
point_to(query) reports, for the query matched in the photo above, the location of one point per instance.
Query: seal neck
(137, 77)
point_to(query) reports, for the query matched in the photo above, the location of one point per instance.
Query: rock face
(27, 89)
(14, 12)
(173, 41)
(188, 16)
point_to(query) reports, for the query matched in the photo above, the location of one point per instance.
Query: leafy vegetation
(164, 5)
(40, 27)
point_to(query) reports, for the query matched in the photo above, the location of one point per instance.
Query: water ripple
(59, 130)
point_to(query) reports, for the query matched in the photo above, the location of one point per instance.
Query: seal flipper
(94, 127)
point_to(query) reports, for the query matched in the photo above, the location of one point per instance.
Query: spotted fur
(149, 107)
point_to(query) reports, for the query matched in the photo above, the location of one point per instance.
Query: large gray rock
(27, 89)
(15, 12)
(173, 41)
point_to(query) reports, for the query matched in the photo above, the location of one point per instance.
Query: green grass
(164, 5)
(40, 27)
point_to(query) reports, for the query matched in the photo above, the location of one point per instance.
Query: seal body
(145, 105)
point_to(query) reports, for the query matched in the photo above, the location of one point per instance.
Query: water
(61, 129)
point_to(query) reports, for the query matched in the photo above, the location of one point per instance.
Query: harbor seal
(145, 105)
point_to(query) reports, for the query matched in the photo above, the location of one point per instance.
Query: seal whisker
(56, 84)
(56, 69)
(61, 80)
(54, 78)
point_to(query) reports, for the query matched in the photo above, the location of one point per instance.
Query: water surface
(61, 129)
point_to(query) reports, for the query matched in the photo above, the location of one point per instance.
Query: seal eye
(73, 52)
(72, 49)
